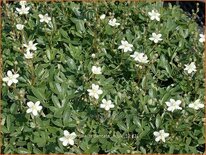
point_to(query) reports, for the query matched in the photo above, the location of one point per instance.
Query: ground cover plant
(101, 78)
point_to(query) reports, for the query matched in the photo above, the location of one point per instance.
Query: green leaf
(13, 108)
(71, 64)
(56, 101)
(165, 64)
(66, 116)
(84, 145)
(75, 8)
(122, 126)
(171, 150)
(144, 82)
(136, 121)
(64, 33)
(165, 97)
(39, 93)
(143, 150)
(8, 122)
(79, 24)
(109, 30)
(158, 121)
(23, 150)
(76, 52)
(50, 54)
(58, 88)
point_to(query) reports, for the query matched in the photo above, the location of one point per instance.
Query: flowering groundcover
(101, 78)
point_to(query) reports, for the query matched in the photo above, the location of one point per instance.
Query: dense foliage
(120, 77)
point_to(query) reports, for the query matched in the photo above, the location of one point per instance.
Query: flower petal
(62, 139)
(37, 103)
(65, 142)
(9, 83)
(5, 79)
(30, 104)
(39, 108)
(9, 73)
(34, 112)
(99, 91)
(71, 141)
(157, 139)
(14, 80)
(156, 133)
(102, 105)
(16, 76)
(66, 133)
(73, 135)
(29, 110)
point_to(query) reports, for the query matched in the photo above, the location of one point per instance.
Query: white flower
(22, 3)
(30, 46)
(102, 16)
(68, 138)
(140, 57)
(34, 108)
(196, 105)
(173, 105)
(95, 91)
(44, 18)
(154, 15)
(28, 55)
(190, 68)
(125, 46)
(93, 55)
(155, 37)
(113, 22)
(106, 104)
(23, 10)
(11, 78)
(96, 70)
(19, 26)
(161, 135)
(202, 38)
